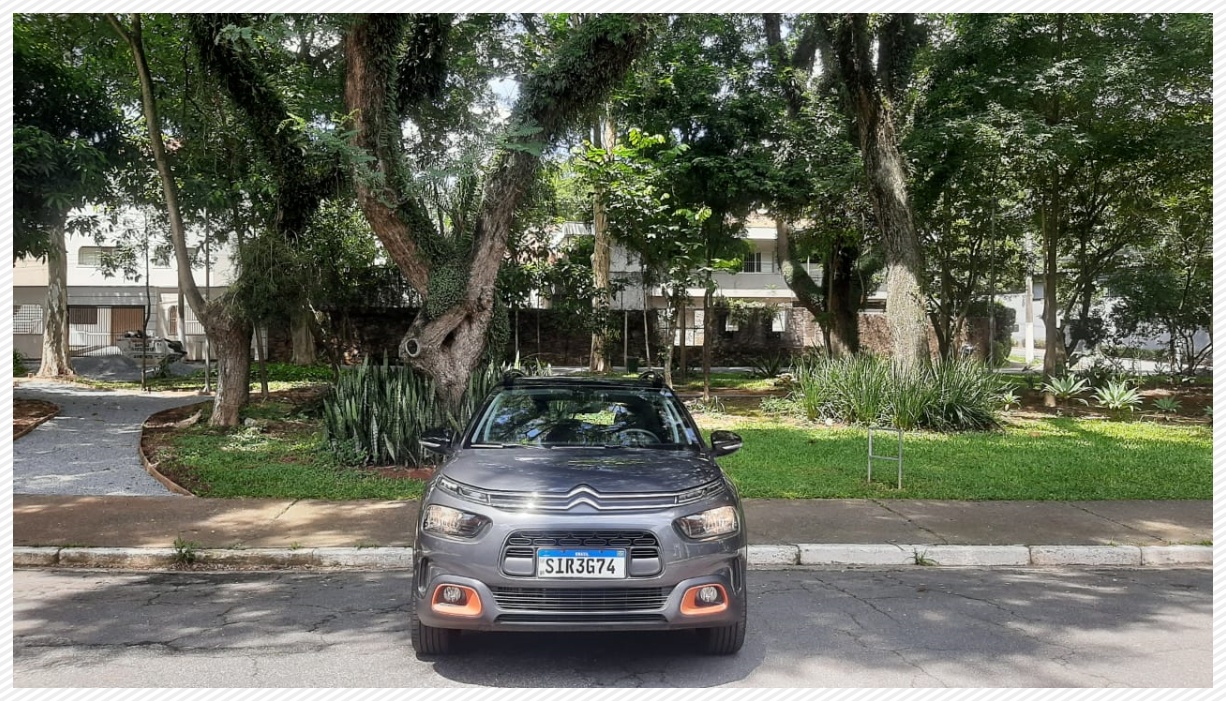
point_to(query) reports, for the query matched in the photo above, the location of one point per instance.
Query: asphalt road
(929, 627)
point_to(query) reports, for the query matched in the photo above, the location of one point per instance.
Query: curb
(761, 557)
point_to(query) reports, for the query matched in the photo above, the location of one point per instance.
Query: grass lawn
(1042, 459)
(284, 457)
(1054, 458)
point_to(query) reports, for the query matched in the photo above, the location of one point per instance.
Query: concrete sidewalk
(781, 532)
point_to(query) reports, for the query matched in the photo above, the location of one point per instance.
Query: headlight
(709, 524)
(444, 520)
(463, 491)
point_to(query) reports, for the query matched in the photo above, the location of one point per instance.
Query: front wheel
(724, 640)
(428, 640)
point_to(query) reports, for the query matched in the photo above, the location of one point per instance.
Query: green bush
(19, 364)
(288, 372)
(948, 395)
(376, 413)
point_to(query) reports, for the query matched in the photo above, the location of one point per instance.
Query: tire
(724, 640)
(429, 641)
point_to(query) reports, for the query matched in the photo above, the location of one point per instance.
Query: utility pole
(1028, 327)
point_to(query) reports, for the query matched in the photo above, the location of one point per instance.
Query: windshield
(583, 416)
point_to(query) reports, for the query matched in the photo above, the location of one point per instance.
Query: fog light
(704, 599)
(455, 600)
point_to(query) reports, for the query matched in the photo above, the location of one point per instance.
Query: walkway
(91, 446)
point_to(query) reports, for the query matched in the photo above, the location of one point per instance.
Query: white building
(759, 283)
(101, 308)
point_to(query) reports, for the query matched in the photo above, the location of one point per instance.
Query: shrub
(19, 364)
(1066, 388)
(949, 395)
(769, 364)
(376, 413)
(1118, 397)
(1167, 405)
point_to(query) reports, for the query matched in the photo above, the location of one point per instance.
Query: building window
(779, 322)
(84, 316)
(91, 256)
(753, 263)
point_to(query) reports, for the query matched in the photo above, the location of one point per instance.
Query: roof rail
(655, 377)
(509, 376)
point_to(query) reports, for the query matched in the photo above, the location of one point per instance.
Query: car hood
(607, 470)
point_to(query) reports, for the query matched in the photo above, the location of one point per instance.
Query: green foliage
(1118, 396)
(1066, 387)
(770, 364)
(376, 413)
(949, 395)
(19, 364)
(67, 134)
(186, 551)
(1168, 405)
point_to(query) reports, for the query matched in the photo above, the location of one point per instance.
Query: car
(579, 504)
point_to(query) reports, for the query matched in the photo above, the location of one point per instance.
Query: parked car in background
(580, 505)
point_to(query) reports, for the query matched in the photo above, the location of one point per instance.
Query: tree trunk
(843, 302)
(867, 86)
(456, 275)
(1053, 356)
(905, 307)
(599, 362)
(259, 356)
(706, 339)
(683, 363)
(55, 362)
(302, 340)
(232, 340)
(232, 388)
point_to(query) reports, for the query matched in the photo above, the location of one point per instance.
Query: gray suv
(579, 505)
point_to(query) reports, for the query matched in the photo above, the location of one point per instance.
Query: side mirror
(724, 443)
(437, 440)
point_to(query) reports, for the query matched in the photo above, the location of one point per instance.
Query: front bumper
(633, 603)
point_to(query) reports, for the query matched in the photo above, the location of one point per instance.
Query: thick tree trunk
(456, 283)
(843, 302)
(231, 339)
(868, 71)
(602, 255)
(303, 341)
(55, 362)
(905, 306)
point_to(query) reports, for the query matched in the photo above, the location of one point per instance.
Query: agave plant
(1009, 398)
(1066, 388)
(1167, 405)
(1118, 397)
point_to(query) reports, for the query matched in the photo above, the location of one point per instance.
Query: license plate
(581, 564)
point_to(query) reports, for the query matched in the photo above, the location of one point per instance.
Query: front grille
(642, 549)
(580, 618)
(633, 540)
(584, 600)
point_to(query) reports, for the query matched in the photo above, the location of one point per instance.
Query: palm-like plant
(1118, 397)
(1167, 405)
(1066, 388)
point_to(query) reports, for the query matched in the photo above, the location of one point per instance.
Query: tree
(1169, 289)
(67, 141)
(871, 59)
(1110, 111)
(228, 331)
(394, 65)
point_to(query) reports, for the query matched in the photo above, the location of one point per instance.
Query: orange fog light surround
(469, 607)
(691, 606)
